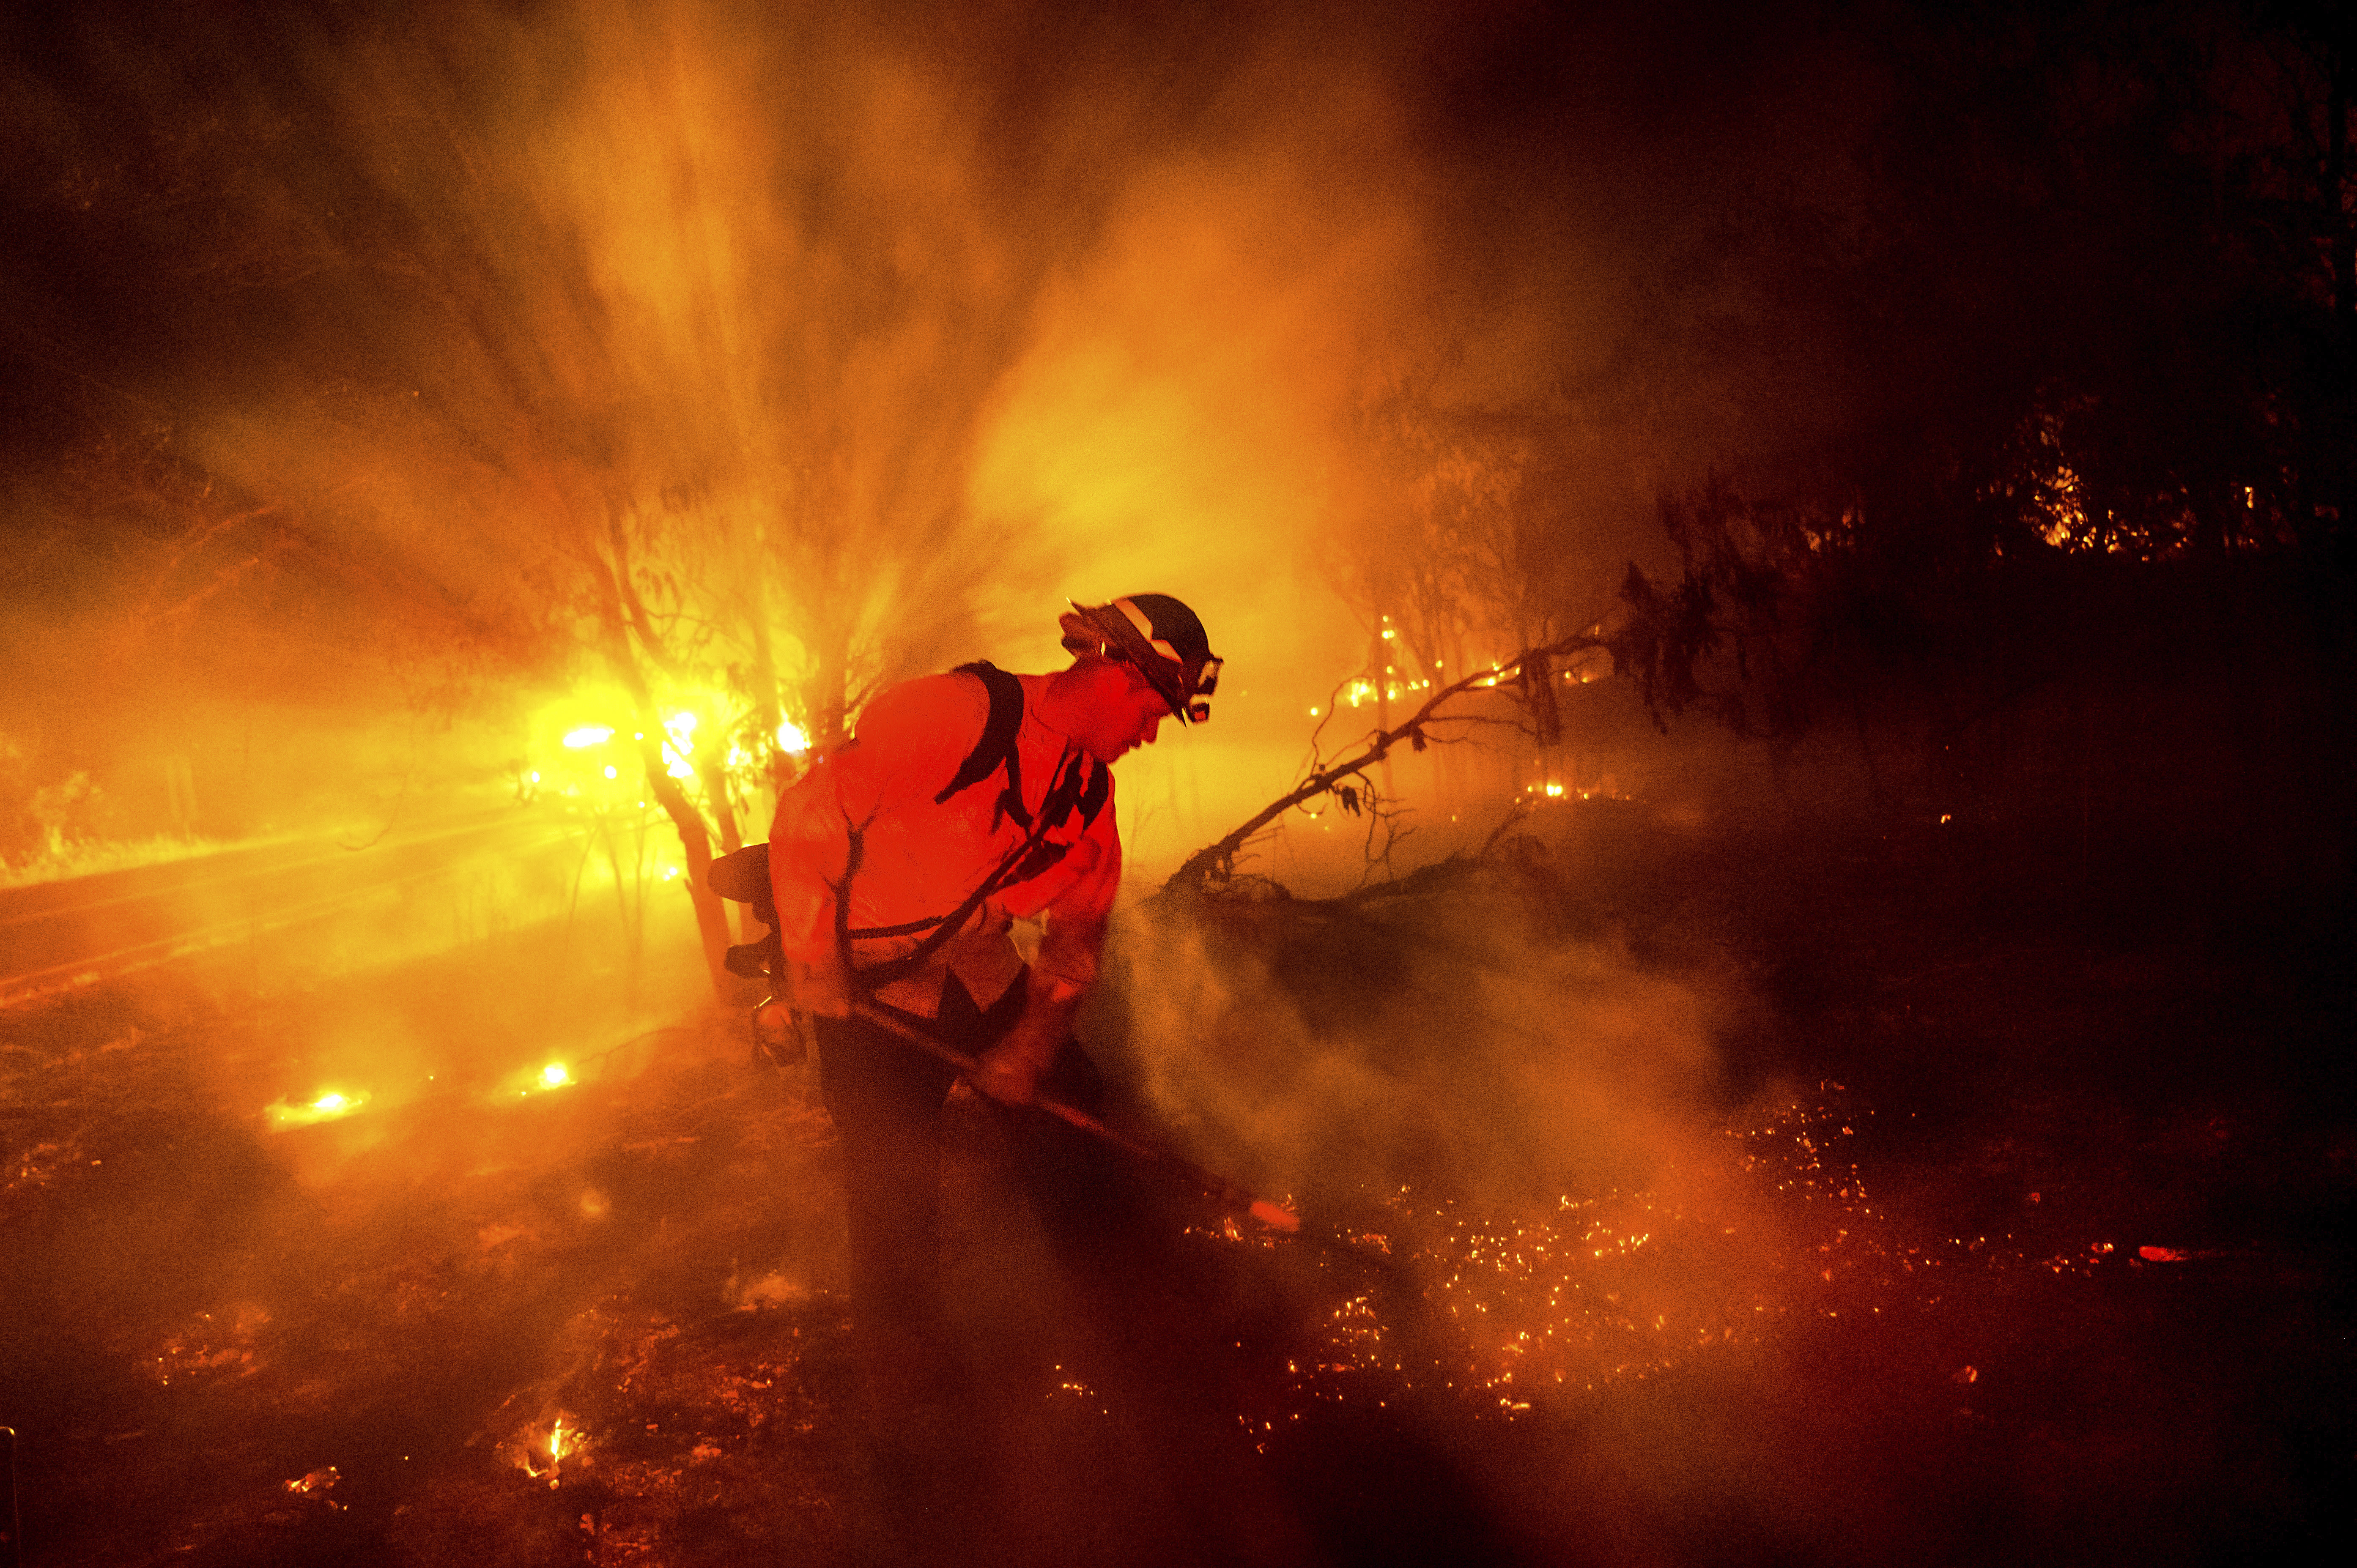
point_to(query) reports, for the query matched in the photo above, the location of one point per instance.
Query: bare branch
(1217, 860)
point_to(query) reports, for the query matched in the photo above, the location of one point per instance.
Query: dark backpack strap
(996, 745)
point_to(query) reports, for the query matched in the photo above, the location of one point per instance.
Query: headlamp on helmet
(1158, 636)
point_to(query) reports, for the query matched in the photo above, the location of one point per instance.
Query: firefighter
(897, 866)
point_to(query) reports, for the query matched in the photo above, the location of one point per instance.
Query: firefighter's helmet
(1161, 638)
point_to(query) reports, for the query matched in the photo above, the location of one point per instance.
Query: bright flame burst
(327, 1108)
(576, 750)
(563, 1441)
(555, 1075)
(679, 745)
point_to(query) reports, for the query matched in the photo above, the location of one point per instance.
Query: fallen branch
(1217, 860)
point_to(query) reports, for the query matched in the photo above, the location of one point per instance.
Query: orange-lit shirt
(920, 858)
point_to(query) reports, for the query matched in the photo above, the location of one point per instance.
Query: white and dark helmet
(1161, 638)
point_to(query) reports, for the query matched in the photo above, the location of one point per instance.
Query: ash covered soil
(1672, 1194)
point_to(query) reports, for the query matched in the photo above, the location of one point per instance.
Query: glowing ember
(1509, 1313)
(317, 1483)
(1275, 1216)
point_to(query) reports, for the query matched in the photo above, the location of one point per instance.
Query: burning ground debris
(1500, 1316)
(214, 1346)
(602, 1324)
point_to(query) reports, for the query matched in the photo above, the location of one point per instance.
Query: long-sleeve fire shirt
(921, 857)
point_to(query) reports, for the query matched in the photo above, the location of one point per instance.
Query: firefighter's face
(1127, 712)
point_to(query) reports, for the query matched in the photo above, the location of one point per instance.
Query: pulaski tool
(744, 876)
(1228, 1196)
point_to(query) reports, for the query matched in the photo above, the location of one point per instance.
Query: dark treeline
(2073, 556)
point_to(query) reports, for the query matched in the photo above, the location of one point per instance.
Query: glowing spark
(331, 1103)
(612, 773)
(554, 1076)
(1554, 788)
(792, 739)
(590, 734)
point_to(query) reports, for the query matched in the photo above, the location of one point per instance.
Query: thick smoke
(366, 335)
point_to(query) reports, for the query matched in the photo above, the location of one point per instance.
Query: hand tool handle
(1274, 1215)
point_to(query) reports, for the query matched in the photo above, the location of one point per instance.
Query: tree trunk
(695, 839)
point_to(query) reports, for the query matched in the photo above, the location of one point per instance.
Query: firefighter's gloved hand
(778, 1036)
(1009, 1074)
(1009, 1071)
(820, 990)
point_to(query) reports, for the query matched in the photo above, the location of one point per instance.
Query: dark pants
(886, 1097)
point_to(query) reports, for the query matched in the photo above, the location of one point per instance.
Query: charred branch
(1346, 777)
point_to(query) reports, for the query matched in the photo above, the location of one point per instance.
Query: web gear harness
(1080, 784)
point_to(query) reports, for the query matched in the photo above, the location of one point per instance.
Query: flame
(327, 1107)
(560, 1442)
(679, 745)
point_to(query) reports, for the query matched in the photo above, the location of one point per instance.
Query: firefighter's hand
(1008, 1073)
(820, 990)
(778, 1035)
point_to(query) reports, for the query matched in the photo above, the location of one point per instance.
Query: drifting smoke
(1451, 1042)
(375, 344)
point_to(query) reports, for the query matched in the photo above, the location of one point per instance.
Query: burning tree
(628, 367)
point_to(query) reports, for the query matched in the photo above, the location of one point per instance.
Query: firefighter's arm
(815, 981)
(1055, 984)
(808, 853)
